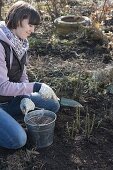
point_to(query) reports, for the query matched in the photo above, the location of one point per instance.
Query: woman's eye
(30, 25)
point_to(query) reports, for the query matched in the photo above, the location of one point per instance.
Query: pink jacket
(7, 88)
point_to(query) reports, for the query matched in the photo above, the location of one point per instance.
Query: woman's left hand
(26, 105)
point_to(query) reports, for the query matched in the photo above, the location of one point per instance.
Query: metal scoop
(69, 102)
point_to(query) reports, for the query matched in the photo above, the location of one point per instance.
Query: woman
(17, 94)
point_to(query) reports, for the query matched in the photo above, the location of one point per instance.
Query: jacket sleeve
(8, 88)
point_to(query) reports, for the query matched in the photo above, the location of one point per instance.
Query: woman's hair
(19, 11)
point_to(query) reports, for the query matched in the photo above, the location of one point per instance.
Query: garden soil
(78, 150)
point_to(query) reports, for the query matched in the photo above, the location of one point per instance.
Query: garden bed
(77, 67)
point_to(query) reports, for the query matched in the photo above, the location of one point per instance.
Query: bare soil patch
(58, 66)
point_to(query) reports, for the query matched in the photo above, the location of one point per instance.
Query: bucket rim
(45, 124)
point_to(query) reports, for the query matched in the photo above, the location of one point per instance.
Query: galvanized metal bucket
(40, 125)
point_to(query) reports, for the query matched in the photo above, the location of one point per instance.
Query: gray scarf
(20, 46)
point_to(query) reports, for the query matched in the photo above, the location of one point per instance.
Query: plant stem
(102, 13)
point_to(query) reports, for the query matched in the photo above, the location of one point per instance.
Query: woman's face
(24, 30)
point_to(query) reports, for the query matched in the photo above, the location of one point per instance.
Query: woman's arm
(8, 88)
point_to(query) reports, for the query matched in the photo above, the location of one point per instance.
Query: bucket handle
(36, 108)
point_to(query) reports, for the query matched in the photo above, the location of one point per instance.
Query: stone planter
(71, 23)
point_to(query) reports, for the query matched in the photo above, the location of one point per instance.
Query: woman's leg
(12, 135)
(13, 108)
(48, 104)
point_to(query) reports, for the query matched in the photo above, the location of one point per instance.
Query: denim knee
(12, 135)
(56, 107)
(20, 141)
(48, 104)
(15, 141)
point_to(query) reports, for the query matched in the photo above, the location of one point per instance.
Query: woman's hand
(26, 105)
(47, 92)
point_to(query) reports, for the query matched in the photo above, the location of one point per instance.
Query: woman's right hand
(47, 92)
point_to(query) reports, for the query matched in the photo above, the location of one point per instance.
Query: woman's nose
(32, 29)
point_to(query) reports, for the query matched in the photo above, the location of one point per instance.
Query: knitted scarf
(20, 46)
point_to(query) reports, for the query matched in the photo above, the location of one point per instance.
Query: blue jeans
(12, 135)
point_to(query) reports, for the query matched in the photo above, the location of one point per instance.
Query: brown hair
(19, 11)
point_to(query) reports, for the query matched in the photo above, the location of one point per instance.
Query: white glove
(26, 105)
(47, 92)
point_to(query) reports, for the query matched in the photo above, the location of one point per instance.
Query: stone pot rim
(60, 21)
